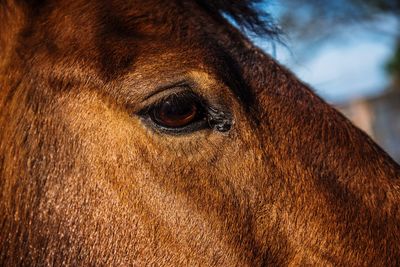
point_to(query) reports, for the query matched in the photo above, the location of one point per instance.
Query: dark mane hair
(245, 13)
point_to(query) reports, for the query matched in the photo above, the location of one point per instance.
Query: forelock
(246, 14)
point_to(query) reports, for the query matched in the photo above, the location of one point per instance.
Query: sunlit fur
(83, 182)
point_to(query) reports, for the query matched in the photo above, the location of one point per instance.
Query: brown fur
(84, 182)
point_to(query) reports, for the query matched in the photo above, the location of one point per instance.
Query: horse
(155, 133)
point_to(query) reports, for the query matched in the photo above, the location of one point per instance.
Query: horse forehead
(108, 41)
(124, 17)
(112, 37)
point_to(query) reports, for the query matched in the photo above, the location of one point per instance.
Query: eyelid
(179, 88)
(160, 95)
(167, 88)
(180, 92)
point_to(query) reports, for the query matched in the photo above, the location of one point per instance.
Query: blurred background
(348, 51)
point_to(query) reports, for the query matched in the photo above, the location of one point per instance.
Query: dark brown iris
(176, 112)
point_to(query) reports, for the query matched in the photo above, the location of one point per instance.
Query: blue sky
(349, 66)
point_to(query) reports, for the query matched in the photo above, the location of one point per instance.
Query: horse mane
(245, 14)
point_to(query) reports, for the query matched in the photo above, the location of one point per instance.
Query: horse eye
(182, 112)
(175, 113)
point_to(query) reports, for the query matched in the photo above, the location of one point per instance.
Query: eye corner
(220, 121)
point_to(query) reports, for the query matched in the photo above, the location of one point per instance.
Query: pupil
(176, 112)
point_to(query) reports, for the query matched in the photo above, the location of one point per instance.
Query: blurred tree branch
(314, 21)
